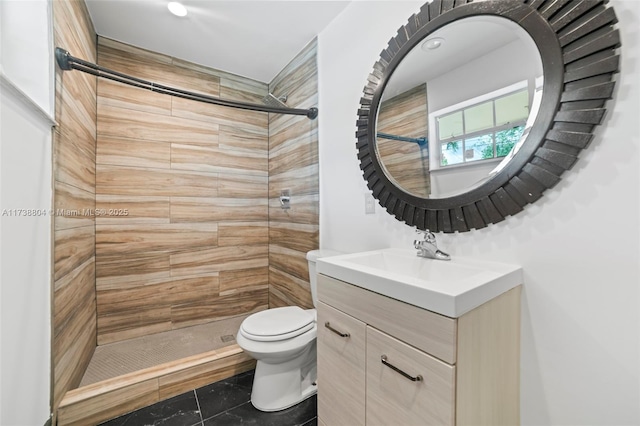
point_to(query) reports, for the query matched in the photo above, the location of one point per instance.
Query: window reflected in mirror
(468, 100)
(484, 129)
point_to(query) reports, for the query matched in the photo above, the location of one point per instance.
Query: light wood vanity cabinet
(468, 366)
(342, 360)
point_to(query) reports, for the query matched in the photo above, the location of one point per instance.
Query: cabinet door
(393, 399)
(341, 368)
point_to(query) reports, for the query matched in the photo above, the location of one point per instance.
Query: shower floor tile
(227, 402)
(115, 359)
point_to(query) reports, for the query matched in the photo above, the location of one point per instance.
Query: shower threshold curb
(120, 395)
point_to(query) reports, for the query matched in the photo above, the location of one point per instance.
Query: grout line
(199, 409)
(227, 410)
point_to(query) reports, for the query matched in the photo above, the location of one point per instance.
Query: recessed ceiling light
(432, 43)
(177, 9)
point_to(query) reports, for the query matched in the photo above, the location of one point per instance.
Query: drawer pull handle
(339, 333)
(417, 378)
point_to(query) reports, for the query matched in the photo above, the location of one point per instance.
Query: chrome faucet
(428, 248)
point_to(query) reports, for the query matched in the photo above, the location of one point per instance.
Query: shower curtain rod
(67, 62)
(419, 141)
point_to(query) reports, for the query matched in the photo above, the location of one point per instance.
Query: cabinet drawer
(433, 333)
(393, 399)
(341, 368)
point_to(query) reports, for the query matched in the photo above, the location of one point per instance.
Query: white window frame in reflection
(436, 142)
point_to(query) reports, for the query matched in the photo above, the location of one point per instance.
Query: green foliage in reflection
(453, 146)
(505, 140)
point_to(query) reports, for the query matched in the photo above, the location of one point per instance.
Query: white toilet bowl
(283, 341)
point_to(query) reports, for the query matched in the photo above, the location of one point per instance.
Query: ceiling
(463, 41)
(251, 38)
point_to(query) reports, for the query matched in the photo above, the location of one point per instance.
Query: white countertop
(450, 288)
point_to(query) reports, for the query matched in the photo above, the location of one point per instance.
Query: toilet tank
(312, 256)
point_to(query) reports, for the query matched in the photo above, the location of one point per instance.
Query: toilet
(283, 341)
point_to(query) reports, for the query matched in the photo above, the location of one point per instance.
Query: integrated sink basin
(450, 288)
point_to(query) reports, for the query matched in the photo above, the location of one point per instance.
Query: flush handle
(339, 333)
(417, 378)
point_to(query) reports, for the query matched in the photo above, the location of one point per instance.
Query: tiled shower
(168, 210)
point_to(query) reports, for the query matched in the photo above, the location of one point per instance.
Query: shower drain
(227, 338)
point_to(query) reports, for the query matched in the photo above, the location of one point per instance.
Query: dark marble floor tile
(181, 410)
(225, 394)
(246, 414)
(312, 422)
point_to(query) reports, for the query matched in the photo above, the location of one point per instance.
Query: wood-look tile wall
(406, 162)
(293, 165)
(74, 307)
(182, 188)
(168, 209)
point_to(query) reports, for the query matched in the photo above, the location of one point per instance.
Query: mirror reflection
(458, 106)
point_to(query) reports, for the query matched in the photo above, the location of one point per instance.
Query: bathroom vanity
(387, 361)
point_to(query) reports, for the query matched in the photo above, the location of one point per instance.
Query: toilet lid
(277, 324)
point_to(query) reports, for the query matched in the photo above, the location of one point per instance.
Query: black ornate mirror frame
(577, 44)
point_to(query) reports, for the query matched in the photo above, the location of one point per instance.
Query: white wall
(26, 106)
(25, 48)
(484, 75)
(579, 245)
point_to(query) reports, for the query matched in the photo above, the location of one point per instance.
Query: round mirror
(474, 135)
(457, 105)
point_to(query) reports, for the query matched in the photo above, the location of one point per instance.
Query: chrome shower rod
(67, 62)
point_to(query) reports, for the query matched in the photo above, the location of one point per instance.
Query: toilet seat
(277, 324)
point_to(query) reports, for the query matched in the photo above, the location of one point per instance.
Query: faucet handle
(428, 247)
(427, 235)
